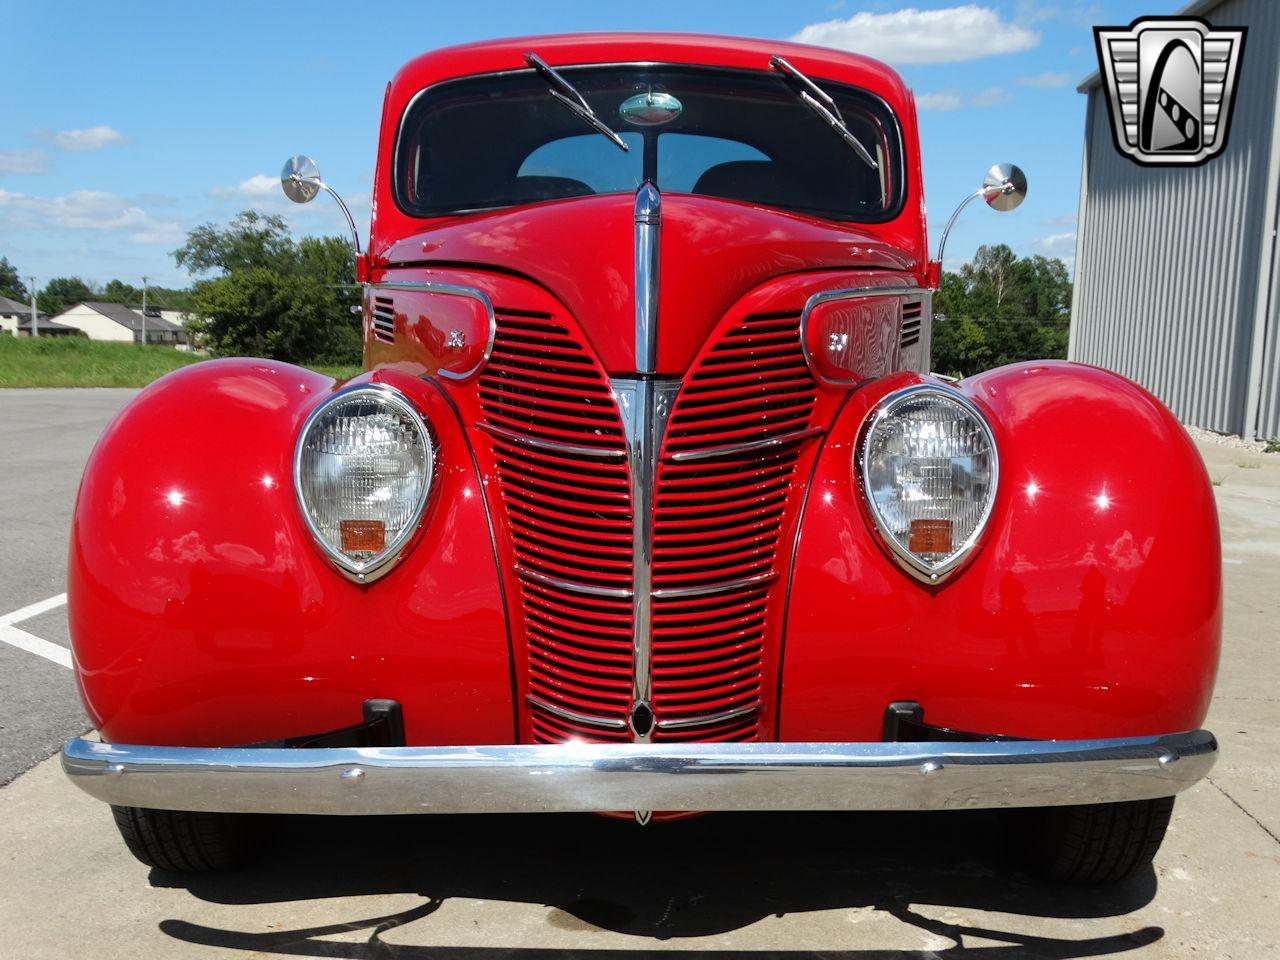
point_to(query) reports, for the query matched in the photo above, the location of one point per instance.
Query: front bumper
(577, 777)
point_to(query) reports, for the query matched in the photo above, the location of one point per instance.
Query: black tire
(1098, 843)
(180, 841)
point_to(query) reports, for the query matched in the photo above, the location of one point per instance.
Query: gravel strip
(1227, 440)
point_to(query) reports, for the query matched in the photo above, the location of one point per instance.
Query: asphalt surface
(45, 439)
(725, 887)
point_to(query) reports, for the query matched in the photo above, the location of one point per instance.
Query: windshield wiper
(820, 102)
(567, 94)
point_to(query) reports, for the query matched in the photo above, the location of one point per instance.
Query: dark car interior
(492, 141)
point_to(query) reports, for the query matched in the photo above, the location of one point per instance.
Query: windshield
(500, 140)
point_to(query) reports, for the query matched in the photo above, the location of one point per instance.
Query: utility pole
(31, 286)
(144, 309)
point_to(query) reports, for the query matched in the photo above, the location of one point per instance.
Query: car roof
(491, 56)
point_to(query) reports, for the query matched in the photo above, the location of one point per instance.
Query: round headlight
(362, 470)
(929, 471)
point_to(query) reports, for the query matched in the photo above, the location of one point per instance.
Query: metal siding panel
(1178, 316)
(1269, 402)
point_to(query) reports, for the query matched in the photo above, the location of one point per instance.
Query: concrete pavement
(45, 439)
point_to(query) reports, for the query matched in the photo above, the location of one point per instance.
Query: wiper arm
(567, 94)
(820, 102)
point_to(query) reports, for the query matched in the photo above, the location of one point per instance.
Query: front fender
(1092, 609)
(202, 614)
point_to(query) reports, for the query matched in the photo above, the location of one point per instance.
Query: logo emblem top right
(1170, 85)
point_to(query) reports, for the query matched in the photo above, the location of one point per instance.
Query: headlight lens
(929, 472)
(363, 470)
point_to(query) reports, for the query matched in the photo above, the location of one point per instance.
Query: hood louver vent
(912, 314)
(384, 319)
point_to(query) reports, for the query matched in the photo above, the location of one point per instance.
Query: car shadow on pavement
(697, 877)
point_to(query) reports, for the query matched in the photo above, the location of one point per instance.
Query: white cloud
(23, 161)
(939, 101)
(923, 36)
(259, 185)
(1065, 220)
(92, 138)
(991, 97)
(87, 210)
(1046, 79)
(1056, 243)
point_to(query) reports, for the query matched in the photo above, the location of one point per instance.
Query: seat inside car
(755, 181)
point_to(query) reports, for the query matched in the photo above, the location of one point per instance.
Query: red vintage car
(647, 500)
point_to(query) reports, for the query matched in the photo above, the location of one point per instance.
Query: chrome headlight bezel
(376, 566)
(962, 553)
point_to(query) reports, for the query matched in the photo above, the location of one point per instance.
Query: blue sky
(124, 125)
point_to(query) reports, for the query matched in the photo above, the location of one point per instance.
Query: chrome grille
(728, 462)
(723, 494)
(559, 448)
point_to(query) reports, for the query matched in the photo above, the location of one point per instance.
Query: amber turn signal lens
(360, 536)
(930, 536)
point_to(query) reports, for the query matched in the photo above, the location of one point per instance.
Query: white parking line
(30, 642)
(33, 610)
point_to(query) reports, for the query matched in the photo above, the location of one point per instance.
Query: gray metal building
(1177, 272)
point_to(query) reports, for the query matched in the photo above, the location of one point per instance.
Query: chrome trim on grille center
(584, 777)
(603, 453)
(644, 406)
(708, 453)
(710, 588)
(574, 716)
(572, 585)
(708, 720)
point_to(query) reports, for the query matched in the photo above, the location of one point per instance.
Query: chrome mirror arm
(351, 221)
(942, 240)
(1003, 188)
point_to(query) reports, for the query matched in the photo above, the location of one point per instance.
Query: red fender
(1092, 609)
(202, 613)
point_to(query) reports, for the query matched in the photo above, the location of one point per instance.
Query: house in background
(116, 321)
(46, 328)
(15, 318)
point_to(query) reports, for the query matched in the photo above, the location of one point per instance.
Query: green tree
(117, 291)
(62, 292)
(1000, 309)
(11, 284)
(252, 240)
(265, 313)
(272, 297)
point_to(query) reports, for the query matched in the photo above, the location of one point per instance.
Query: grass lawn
(80, 362)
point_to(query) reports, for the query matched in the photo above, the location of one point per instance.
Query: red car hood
(583, 251)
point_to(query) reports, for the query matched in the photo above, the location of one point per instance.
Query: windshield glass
(494, 141)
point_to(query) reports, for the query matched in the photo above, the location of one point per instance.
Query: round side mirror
(300, 179)
(1004, 187)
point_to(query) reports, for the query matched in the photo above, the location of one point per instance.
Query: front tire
(1097, 843)
(180, 841)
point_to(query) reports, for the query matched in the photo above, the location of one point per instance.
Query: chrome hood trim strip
(648, 218)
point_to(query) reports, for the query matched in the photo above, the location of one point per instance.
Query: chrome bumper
(686, 776)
